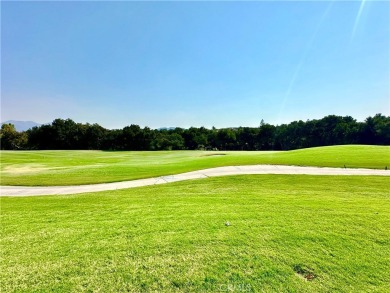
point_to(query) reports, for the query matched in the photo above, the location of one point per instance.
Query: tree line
(66, 134)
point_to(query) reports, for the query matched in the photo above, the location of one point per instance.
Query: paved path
(213, 172)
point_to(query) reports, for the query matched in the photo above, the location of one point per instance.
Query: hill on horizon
(22, 125)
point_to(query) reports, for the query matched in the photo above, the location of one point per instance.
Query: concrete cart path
(212, 172)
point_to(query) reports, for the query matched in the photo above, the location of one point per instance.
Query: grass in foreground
(87, 167)
(287, 233)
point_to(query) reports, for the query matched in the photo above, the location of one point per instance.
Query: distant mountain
(22, 125)
(166, 128)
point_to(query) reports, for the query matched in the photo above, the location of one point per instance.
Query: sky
(200, 63)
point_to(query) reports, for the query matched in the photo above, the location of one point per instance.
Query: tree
(226, 139)
(94, 136)
(266, 137)
(168, 141)
(375, 130)
(330, 130)
(10, 139)
(246, 138)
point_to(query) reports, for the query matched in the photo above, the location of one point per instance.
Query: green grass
(87, 167)
(173, 238)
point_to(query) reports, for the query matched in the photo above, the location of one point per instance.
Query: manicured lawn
(333, 230)
(87, 167)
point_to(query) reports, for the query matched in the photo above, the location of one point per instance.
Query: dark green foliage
(330, 130)
(10, 139)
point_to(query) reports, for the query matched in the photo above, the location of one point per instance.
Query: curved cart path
(212, 172)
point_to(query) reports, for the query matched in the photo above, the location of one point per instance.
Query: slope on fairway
(200, 174)
(283, 230)
(87, 167)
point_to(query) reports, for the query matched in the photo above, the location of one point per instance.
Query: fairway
(201, 174)
(239, 233)
(287, 233)
(50, 168)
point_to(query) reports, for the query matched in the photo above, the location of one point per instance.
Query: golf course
(53, 168)
(195, 146)
(246, 233)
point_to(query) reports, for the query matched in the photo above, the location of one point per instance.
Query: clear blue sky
(188, 64)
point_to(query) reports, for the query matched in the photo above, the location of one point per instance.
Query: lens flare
(301, 62)
(362, 3)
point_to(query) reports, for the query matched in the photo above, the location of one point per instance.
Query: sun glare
(362, 3)
(302, 61)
